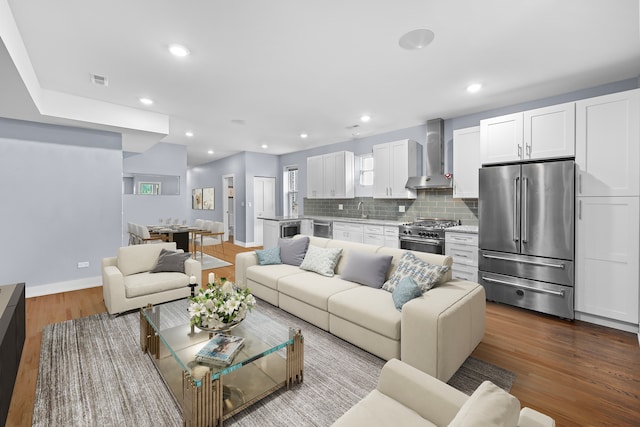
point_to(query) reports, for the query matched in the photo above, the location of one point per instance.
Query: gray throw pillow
(169, 261)
(292, 251)
(366, 268)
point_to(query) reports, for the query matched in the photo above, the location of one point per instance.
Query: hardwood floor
(578, 373)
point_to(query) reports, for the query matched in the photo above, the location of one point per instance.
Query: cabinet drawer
(374, 229)
(347, 226)
(461, 238)
(374, 239)
(462, 254)
(391, 231)
(464, 272)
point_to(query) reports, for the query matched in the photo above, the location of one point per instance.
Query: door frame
(225, 206)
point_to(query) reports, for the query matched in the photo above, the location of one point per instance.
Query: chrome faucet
(361, 205)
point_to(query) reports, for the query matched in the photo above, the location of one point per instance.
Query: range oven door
(432, 246)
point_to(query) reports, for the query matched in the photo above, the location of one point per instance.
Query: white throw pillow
(321, 260)
(488, 406)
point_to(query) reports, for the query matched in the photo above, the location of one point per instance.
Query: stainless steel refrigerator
(526, 235)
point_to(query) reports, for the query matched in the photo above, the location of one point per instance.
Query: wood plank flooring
(578, 373)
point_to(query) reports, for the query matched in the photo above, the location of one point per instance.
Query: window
(291, 190)
(366, 169)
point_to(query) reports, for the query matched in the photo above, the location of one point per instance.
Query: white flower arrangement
(219, 305)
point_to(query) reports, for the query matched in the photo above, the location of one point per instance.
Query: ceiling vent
(99, 80)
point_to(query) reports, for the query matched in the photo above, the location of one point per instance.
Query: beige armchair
(406, 396)
(128, 283)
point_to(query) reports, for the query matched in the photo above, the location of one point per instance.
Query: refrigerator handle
(525, 210)
(515, 209)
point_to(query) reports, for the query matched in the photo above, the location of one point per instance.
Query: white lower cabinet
(607, 259)
(306, 227)
(271, 233)
(463, 248)
(347, 231)
(391, 236)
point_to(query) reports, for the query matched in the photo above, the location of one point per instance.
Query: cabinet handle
(519, 150)
(579, 183)
(528, 150)
(580, 210)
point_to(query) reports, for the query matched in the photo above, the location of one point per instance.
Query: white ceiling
(289, 66)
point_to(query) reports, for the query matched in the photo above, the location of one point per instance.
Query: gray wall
(61, 204)
(162, 159)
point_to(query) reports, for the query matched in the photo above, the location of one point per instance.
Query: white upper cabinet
(501, 138)
(466, 162)
(315, 177)
(607, 145)
(543, 133)
(549, 132)
(394, 162)
(331, 176)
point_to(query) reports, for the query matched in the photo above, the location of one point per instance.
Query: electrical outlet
(401, 208)
(83, 264)
(340, 207)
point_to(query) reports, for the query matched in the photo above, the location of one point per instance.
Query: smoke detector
(99, 80)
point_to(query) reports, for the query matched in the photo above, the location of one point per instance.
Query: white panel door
(399, 169)
(382, 170)
(608, 145)
(315, 177)
(607, 257)
(264, 204)
(549, 132)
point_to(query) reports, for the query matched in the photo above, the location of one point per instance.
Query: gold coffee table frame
(204, 393)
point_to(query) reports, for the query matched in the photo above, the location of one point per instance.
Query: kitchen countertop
(369, 221)
(472, 229)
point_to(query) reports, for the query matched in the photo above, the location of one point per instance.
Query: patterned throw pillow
(405, 292)
(424, 274)
(269, 256)
(321, 260)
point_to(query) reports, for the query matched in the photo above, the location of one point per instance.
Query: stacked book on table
(221, 349)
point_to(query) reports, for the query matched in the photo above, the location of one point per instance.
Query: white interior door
(264, 204)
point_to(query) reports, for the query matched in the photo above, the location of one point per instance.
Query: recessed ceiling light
(189, 134)
(416, 39)
(304, 135)
(178, 50)
(474, 87)
(365, 118)
(210, 152)
(264, 146)
(146, 101)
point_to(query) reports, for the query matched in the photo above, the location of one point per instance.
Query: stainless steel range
(425, 234)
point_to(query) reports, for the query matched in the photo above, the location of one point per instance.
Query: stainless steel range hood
(435, 176)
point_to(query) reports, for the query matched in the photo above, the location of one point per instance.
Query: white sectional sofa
(407, 397)
(435, 332)
(127, 281)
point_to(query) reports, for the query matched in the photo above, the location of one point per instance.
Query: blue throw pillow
(269, 256)
(406, 290)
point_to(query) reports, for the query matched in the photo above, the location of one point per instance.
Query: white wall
(60, 204)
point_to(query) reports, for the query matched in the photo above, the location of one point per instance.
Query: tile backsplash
(433, 203)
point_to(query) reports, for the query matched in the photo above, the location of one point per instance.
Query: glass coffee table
(271, 358)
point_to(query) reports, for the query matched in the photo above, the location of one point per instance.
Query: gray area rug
(92, 373)
(209, 262)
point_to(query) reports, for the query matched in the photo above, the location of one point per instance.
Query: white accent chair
(406, 396)
(127, 283)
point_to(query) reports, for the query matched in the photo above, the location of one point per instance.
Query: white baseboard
(610, 323)
(56, 288)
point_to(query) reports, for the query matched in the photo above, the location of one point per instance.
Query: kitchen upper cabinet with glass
(331, 176)
(543, 133)
(394, 162)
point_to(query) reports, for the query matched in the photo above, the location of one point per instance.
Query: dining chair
(210, 236)
(132, 233)
(147, 237)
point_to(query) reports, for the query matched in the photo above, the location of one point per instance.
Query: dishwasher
(322, 228)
